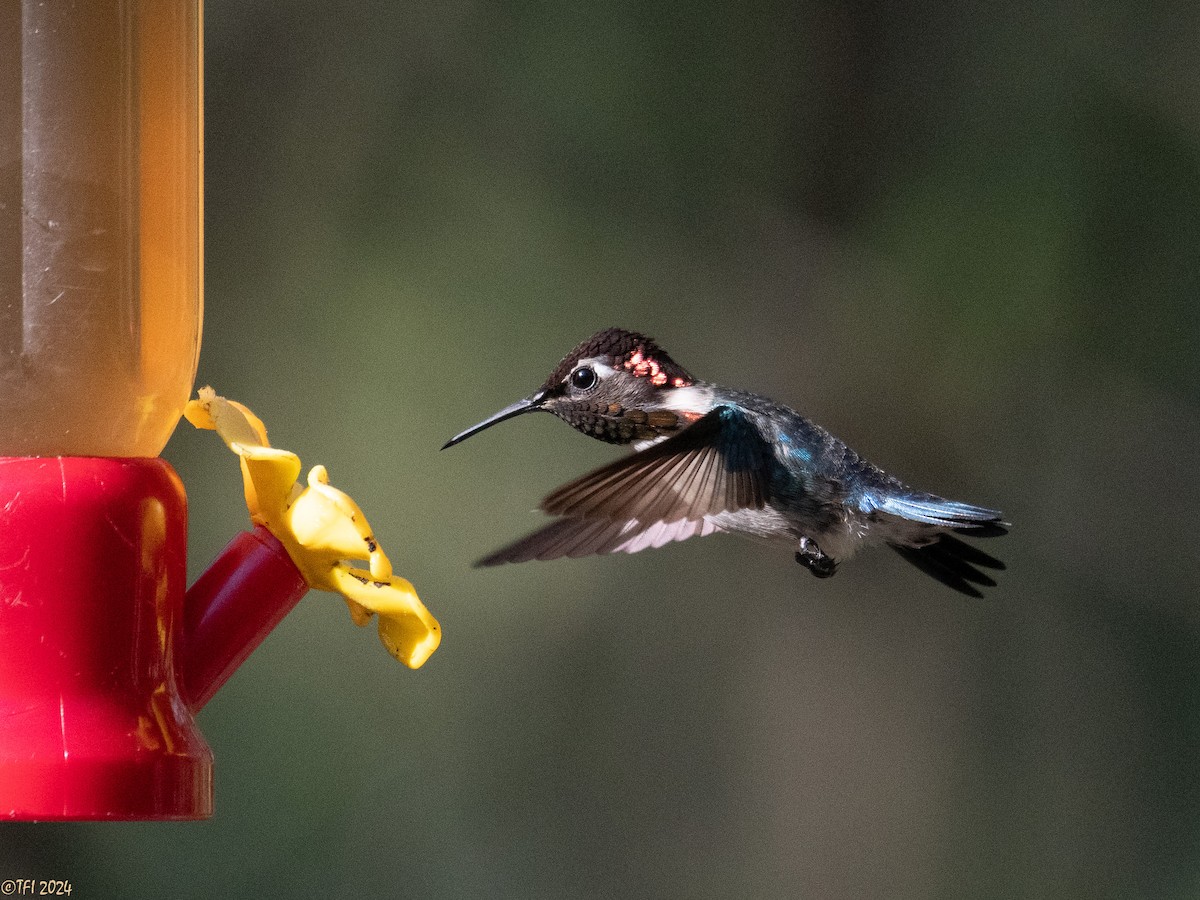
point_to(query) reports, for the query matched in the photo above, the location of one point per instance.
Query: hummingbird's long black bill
(529, 404)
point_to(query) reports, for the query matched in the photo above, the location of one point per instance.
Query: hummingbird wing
(718, 464)
(662, 494)
(586, 537)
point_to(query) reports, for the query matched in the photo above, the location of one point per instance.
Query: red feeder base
(92, 577)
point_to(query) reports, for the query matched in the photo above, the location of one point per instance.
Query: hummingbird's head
(617, 386)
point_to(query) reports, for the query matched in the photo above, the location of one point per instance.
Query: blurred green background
(962, 236)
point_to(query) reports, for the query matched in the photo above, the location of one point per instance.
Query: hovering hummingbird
(709, 459)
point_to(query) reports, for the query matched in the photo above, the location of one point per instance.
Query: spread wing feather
(586, 537)
(668, 492)
(719, 464)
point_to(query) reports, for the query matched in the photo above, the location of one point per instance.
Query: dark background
(963, 236)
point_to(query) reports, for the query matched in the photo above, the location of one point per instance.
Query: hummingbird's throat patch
(640, 365)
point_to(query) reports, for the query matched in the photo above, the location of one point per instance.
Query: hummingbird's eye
(584, 378)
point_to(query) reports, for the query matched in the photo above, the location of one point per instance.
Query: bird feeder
(103, 659)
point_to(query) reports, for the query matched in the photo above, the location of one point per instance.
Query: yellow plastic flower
(322, 529)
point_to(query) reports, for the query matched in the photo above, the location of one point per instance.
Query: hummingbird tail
(977, 521)
(951, 561)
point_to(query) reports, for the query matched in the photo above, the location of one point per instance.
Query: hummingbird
(708, 459)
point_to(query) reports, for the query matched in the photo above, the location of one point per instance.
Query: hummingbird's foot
(814, 559)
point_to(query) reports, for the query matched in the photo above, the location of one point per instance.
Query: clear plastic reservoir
(100, 223)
